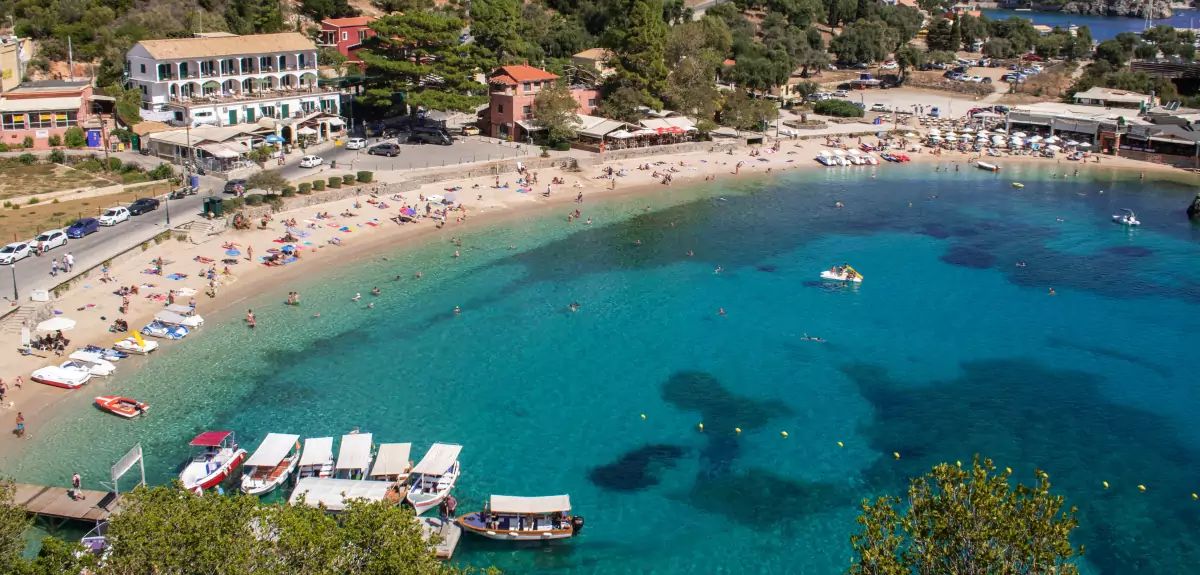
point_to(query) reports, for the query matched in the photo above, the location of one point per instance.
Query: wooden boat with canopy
(271, 464)
(354, 456)
(509, 518)
(317, 458)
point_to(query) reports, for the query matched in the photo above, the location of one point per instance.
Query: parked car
(356, 143)
(889, 66)
(114, 216)
(142, 205)
(311, 161)
(386, 149)
(14, 252)
(877, 107)
(841, 94)
(470, 131)
(51, 239)
(439, 138)
(83, 227)
(235, 185)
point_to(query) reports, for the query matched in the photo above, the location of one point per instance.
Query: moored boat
(842, 273)
(94, 362)
(177, 314)
(393, 462)
(69, 375)
(217, 459)
(136, 345)
(509, 518)
(987, 166)
(354, 456)
(1126, 218)
(161, 330)
(317, 458)
(433, 477)
(271, 464)
(825, 158)
(121, 406)
(1018, 185)
(106, 353)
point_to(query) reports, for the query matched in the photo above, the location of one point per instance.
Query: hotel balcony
(218, 97)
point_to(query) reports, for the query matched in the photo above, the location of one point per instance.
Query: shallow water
(947, 349)
(1102, 27)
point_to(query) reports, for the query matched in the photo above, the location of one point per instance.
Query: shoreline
(371, 231)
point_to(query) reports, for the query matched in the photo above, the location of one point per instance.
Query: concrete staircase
(11, 323)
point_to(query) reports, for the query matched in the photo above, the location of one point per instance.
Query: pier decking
(56, 503)
(448, 531)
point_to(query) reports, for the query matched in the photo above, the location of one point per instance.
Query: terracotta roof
(601, 54)
(521, 73)
(174, 48)
(345, 22)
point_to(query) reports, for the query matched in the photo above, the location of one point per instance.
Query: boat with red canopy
(217, 458)
(121, 406)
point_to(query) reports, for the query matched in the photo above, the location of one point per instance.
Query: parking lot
(412, 156)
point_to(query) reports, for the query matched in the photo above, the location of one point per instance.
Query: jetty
(57, 503)
(448, 533)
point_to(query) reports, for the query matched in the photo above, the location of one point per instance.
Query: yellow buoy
(840, 444)
(700, 426)
(958, 463)
(1195, 496)
(896, 454)
(643, 417)
(1105, 484)
(737, 430)
(1141, 487)
(784, 434)
(1008, 470)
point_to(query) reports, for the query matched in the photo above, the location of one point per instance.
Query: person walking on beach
(20, 430)
(249, 253)
(69, 260)
(53, 267)
(3, 392)
(76, 492)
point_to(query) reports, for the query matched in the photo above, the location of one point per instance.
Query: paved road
(34, 272)
(412, 156)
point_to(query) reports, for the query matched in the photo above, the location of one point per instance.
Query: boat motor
(577, 524)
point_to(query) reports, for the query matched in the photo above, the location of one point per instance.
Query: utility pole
(103, 139)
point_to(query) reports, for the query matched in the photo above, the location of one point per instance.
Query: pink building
(39, 110)
(513, 89)
(346, 34)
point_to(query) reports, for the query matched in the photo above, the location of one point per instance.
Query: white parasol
(59, 323)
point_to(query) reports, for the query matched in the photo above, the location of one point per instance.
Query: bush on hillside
(74, 137)
(57, 157)
(838, 109)
(254, 199)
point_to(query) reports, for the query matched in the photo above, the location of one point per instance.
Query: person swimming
(718, 270)
(250, 320)
(721, 311)
(1021, 264)
(574, 306)
(357, 296)
(375, 291)
(812, 338)
(371, 305)
(457, 310)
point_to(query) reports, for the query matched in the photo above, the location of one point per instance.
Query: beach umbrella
(981, 137)
(934, 132)
(1054, 147)
(1035, 139)
(57, 324)
(1052, 139)
(1020, 134)
(966, 130)
(910, 135)
(273, 139)
(1084, 145)
(1002, 130)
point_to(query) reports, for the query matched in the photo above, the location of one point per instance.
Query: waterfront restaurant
(40, 110)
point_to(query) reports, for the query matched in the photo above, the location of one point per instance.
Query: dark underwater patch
(1024, 414)
(1112, 353)
(760, 497)
(768, 268)
(968, 257)
(1130, 251)
(637, 469)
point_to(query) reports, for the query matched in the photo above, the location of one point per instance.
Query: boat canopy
(273, 449)
(334, 493)
(169, 317)
(180, 309)
(355, 452)
(531, 505)
(438, 460)
(211, 438)
(392, 459)
(317, 451)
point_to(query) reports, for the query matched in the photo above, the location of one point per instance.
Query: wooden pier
(56, 503)
(447, 530)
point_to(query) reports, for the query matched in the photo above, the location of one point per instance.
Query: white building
(226, 80)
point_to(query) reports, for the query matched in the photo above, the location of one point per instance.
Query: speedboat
(69, 375)
(433, 477)
(161, 330)
(178, 314)
(870, 159)
(508, 518)
(317, 458)
(218, 457)
(106, 353)
(1018, 185)
(987, 166)
(854, 157)
(825, 158)
(135, 345)
(271, 464)
(354, 456)
(94, 362)
(121, 406)
(843, 273)
(839, 156)
(1126, 218)
(96, 540)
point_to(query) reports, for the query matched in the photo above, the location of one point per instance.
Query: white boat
(94, 362)
(871, 159)
(136, 345)
(354, 457)
(173, 315)
(218, 457)
(69, 375)
(839, 156)
(393, 462)
(1126, 218)
(317, 459)
(856, 158)
(987, 166)
(826, 158)
(271, 464)
(164, 331)
(843, 273)
(509, 518)
(433, 477)
(105, 353)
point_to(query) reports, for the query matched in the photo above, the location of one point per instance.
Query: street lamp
(13, 267)
(168, 203)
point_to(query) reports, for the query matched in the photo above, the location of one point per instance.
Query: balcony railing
(235, 97)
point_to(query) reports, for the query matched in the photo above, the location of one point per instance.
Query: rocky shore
(1131, 8)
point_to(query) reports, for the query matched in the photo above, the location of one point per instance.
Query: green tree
(999, 48)
(1113, 52)
(322, 9)
(74, 137)
(908, 57)
(864, 41)
(13, 522)
(940, 36)
(416, 60)
(966, 521)
(1019, 31)
(694, 52)
(640, 61)
(622, 104)
(745, 113)
(402, 5)
(495, 25)
(128, 103)
(555, 109)
(940, 57)
(972, 29)
(956, 33)
(838, 109)
(254, 16)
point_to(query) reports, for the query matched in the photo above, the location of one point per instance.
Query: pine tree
(640, 57)
(416, 60)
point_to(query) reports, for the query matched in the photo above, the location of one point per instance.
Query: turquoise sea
(1102, 27)
(947, 349)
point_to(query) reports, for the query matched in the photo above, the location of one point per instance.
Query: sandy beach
(344, 238)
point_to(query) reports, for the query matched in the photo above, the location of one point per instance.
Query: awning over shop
(306, 131)
(39, 104)
(529, 126)
(336, 122)
(219, 150)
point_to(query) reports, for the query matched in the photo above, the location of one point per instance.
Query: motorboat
(317, 458)
(1126, 218)
(135, 345)
(96, 540)
(94, 362)
(354, 457)
(987, 166)
(393, 463)
(69, 375)
(121, 406)
(842, 273)
(855, 158)
(825, 158)
(179, 314)
(433, 477)
(508, 518)
(870, 159)
(271, 464)
(218, 457)
(161, 330)
(839, 156)
(105, 352)
(1018, 185)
